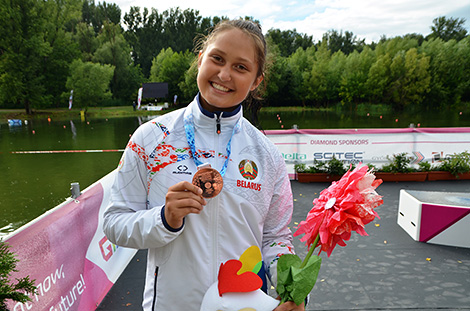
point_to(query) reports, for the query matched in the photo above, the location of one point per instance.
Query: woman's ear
(199, 59)
(257, 82)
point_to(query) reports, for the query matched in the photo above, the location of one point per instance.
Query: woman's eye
(217, 58)
(241, 67)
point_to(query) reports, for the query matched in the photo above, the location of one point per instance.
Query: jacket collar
(211, 114)
(206, 119)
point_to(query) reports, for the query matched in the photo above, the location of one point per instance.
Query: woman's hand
(182, 199)
(291, 306)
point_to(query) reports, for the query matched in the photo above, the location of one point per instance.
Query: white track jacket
(254, 207)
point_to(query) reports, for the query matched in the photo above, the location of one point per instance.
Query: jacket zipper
(214, 211)
(218, 129)
(155, 289)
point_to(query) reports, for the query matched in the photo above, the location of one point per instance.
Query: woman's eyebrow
(238, 58)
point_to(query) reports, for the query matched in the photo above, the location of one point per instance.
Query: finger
(186, 186)
(184, 198)
(289, 306)
(176, 210)
(188, 202)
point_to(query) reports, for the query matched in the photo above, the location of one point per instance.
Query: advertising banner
(369, 146)
(67, 253)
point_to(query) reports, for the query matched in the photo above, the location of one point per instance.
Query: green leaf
(257, 267)
(295, 283)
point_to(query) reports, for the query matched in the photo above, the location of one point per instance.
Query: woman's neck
(204, 104)
(210, 110)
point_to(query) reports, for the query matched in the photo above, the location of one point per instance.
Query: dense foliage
(48, 48)
(17, 290)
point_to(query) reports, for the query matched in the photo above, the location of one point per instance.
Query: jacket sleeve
(128, 220)
(277, 237)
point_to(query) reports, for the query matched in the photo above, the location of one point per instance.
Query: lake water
(32, 183)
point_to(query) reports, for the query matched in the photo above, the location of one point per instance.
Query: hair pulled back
(253, 30)
(252, 103)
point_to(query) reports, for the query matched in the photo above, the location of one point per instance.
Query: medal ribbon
(189, 129)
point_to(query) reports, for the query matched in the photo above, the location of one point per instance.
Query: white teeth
(220, 87)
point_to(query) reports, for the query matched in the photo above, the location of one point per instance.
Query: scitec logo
(338, 155)
(345, 157)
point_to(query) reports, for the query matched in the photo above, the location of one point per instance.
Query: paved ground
(387, 270)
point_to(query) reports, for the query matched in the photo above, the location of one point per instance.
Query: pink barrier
(67, 254)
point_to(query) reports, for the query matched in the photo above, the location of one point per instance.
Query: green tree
(318, 79)
(23, 48)
(449, 69)
(463, 53)
(415, 36)
(300, 64)
(288, 41)
(109, 13)
(115, 51)
(353, 87)
(12, 291)
(325, 78)
(346, 43)
(378, 78)
(277, 77)
(145, 36)
(410, 78)
(89, 82)
(188, 86)
(336, 69)
(150, 32)
(97, 15)
(171, 67)
(183, 25)
(448, 28)
(64, 49)
(86, 40)
(395, 45)
(381, 82)
(207, 23)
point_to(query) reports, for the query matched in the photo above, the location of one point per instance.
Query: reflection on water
(32, 183)
(310, 119)
(73, 129)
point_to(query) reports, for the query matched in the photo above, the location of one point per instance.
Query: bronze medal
(209, 180)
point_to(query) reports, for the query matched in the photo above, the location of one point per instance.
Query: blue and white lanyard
(189, 129)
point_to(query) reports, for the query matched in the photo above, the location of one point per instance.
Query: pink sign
(52, 250)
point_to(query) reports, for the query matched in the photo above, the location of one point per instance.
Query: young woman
(200, 185)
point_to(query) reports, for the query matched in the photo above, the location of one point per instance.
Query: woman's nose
(224, 73)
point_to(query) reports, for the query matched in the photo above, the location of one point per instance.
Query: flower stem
(310, 252)
(305, 261)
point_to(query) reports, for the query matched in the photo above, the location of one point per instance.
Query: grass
(106, 112)
(293, 109)
(127, 111)
(64, 113)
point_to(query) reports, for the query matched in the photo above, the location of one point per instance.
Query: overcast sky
(367, 19)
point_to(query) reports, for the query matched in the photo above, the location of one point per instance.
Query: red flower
(347, 205)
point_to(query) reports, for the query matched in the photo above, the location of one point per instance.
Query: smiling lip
(220, 87)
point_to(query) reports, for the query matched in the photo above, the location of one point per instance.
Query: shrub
(398, 163)
(332, 167)
(456, 164)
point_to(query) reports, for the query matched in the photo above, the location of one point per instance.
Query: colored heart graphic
(230, 281)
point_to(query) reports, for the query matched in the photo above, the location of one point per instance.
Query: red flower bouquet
(346, 206)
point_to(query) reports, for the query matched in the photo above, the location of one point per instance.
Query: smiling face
(228, 70)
